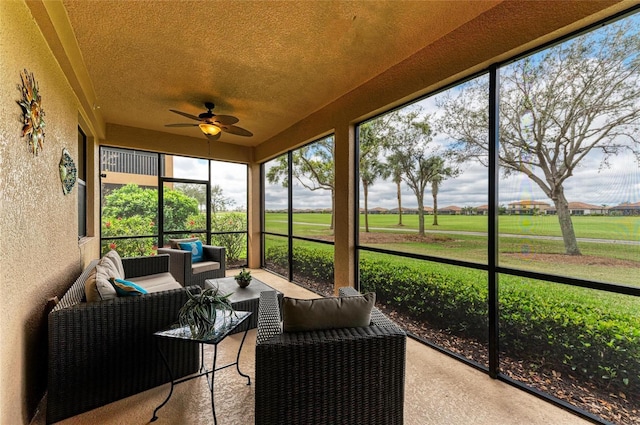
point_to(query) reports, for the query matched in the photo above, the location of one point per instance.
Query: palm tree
(393, 170)
(372, 137)
(439, 172)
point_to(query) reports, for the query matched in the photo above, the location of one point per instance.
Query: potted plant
(200, 311)
(243, 278)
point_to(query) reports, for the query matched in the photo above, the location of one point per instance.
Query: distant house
(450, 210)
(625, 209)
(482, 210)
(378, 210)
(407, 210)
(527, 207)
(580, 208)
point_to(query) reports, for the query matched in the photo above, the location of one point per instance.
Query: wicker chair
(103, 351)
(187, 273)
(338, 376)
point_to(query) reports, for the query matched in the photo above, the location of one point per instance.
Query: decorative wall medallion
(68, 172)
(32, 113)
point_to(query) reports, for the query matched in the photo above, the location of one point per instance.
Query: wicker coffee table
(245, 299)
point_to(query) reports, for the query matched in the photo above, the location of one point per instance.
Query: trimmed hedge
(545, 327)
(314, 264)
(442, 300)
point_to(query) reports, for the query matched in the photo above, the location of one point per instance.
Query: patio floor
(439, 390)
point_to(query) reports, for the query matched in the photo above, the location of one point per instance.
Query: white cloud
(231, 177)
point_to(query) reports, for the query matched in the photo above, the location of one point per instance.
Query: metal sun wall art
(68, 172)
(32, 113)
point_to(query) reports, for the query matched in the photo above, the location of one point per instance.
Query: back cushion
(197, 254)
(327, 313)
(114, 259)
(97, 286)
(175, 243)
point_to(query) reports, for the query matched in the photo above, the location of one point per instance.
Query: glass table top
(226, 321)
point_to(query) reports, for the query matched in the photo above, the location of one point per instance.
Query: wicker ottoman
(243, 299)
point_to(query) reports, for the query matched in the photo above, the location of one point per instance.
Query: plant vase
(243, 279)
(201, 310)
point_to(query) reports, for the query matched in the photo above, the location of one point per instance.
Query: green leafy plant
(235, 243)
(561, 329)
(243, 278)
(200, 311)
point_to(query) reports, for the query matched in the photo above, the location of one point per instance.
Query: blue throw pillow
(197, 254)
(125, 288)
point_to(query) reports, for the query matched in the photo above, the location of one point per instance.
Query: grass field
(521, 243)
(597, 227)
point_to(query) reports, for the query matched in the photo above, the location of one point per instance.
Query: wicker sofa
(103, 351)
(337, 376)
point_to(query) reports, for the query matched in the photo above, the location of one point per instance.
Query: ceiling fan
(212, 125)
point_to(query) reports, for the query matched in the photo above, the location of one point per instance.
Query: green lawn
(517, 244)
(598, 227)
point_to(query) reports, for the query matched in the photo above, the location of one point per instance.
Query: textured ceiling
(269, 63)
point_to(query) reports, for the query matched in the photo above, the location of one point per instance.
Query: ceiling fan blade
(238, 131)
(224, 119)
(181, 125)
(213, 138)
(184, 114)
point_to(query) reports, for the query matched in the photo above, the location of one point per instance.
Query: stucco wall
(39, 252)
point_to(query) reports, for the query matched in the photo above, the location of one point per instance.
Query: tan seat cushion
(98, 286)
(157, 282)
(204, 266)
(327, 313)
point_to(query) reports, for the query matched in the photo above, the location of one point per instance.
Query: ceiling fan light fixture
(209, 129)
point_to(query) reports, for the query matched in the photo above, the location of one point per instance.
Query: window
(298, 217)
(82, 184)
(419, 208)
(129, 194)
(531, 270)
(136, 216)
(229, 210)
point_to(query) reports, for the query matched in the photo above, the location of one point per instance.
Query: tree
(219, 202)
(177, 209)
(132, 211)
(313, 168)
(133, 201)
(371, 136)
(555, 108)
(393, 170)
(410, 141)
(194, 190)
(438, 172)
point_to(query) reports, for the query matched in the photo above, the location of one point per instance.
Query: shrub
(310, 263)
(550, 328)
(130, 226)
(234, 243)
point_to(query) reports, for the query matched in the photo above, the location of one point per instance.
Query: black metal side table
(226, 323)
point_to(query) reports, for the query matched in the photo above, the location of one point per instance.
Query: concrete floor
(439, 390)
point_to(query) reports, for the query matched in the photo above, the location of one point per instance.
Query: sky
(591, 184)
(231, 177)
(611, 186)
